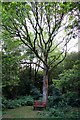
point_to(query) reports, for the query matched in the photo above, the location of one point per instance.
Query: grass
(21, 112)
(27, 112)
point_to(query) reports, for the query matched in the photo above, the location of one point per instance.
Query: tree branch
(32, 63)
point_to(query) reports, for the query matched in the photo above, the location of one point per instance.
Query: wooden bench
(39, 104)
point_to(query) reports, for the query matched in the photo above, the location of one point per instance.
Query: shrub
(72, 99)
(56, 101)
(20, 101)
(4, 102)
(66, 112)
(26, 100)
(57, 83)
(70, 80)
(35, 93)
(55, 96)
(55, 113)
(54, 91)
(29, 100)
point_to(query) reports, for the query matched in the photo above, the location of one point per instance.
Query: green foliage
(71, 60)
(17, 20)
(56, 71)
(10, 69)
(69, 97)
(70, 79)
(55, 96)
(54, 101)
(10, 65)
(68, 82)
(14, 20)
(53, 90)
(35, 93)
(71, 75)
(72, 99)
(57, 83)
(20, 101)
(13, 82)
(63, 113)
(26, 85)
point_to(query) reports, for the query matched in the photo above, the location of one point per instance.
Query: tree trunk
(45, 85)
(30, 74)
(35, 76)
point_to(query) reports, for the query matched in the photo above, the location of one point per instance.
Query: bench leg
(34, 108)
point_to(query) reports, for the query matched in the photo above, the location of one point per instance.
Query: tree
(70, 60)
(70, 79)
(10, 66)
(36, 25)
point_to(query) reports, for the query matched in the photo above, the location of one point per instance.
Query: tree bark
(45, 85)
(30, 72)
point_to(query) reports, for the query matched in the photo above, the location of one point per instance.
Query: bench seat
(39, 104)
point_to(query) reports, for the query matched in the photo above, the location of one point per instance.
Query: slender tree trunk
(30, 70)
(35, 77)
(45, 85)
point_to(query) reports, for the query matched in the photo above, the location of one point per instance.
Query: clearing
(21, 112)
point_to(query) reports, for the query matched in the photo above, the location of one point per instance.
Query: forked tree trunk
(45, 85)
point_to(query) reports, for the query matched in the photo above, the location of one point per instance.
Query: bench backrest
(39, 103)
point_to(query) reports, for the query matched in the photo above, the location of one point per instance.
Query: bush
(54, 102)
(55, 96)
(55, 113)
(29, 100)
(57, 83)
(70, 80)
(69, 99)
(66, 112)
(54, 91)
(72, 99)
(35, 93)
(20, 101)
